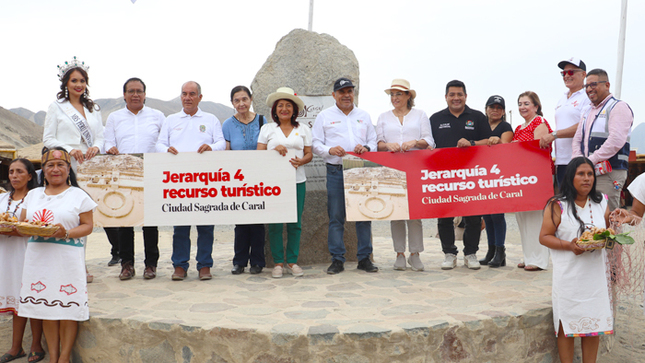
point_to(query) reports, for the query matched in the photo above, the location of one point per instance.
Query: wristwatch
(554, 134)
(367, 147)
(472, 142)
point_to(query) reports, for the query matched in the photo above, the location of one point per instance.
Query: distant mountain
(18, 131)
(109, 105)
(637, 140)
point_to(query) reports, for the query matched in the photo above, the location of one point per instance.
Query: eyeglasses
(570, 72)
(133, 91)
(396, 94)
(593, 85)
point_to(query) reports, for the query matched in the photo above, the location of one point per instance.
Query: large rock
(309, 63)
(306, 61)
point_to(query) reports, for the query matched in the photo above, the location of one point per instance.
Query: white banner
(219, 187)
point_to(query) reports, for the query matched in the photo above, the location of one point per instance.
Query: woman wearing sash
(73, 121)
(53, 279)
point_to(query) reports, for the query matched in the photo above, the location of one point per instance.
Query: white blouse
(272, 136)
(416, 126)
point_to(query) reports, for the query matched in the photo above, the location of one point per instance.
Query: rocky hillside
(18, 131)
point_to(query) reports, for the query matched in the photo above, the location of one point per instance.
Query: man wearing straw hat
(337, 130)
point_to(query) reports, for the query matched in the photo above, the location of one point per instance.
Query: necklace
(589, 206)
(17, 205)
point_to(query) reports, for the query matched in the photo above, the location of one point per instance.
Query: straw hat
(401, 85)
(285, 93)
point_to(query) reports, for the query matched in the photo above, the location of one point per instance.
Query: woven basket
(6, 227)
(42, 231)
(596, 244)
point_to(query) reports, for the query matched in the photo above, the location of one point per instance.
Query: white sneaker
(277, 272)
(295, 270)
(415, 262)
(471, 262)
(449, 262)
(399, 264)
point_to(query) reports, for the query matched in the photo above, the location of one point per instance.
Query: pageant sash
(78, 120)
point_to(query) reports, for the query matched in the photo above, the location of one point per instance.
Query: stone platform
(460, 315)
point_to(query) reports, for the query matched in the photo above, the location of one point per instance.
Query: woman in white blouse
(284, 134)
(403, 129)
(73, 121)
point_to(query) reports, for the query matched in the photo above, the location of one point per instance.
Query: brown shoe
(150, 273)
(127, 271)
(205, 273)
(179, 274)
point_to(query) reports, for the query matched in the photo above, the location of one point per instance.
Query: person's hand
(430, 147)
(621, 216)
(91, 152)
(296, 162)
(493, 140)
(392, 147)
(463, 143)
(546, 140)
(337, 151)
(60, 233)
(359, 149)
(282, 150)
(113, 151)
(78, 155)
(203, 148)
(408, 145)
(172, 150)
(573, 247)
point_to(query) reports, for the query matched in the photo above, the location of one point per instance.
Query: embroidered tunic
(12, 257)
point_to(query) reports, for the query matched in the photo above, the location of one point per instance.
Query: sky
(500, 47)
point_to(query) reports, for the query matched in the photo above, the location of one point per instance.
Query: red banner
(452, 182)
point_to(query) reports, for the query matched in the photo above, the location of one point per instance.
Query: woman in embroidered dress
(284, 134)
(399, 130)
(580, 288)
(536, 256)
(53, 280)
(241, 133)
(23, 178)
(74, 121)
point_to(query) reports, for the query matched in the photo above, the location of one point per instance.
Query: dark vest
(600, 132)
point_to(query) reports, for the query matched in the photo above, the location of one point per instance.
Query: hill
(18, 131)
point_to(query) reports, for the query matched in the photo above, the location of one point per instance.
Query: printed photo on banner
(373, 191)
(451, 182)
(115, 183)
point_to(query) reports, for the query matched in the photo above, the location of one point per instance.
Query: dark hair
(237, 89)
(134, 79)
(456, 83)
(294, 116)
(569, 193)
(85, 97)
(601, 73)
(534, 98)
(72, 175)
(31, 170)
(410, 100)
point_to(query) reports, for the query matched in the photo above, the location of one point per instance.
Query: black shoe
(366, 265)
(336, 267)
(500, 257)
(114, 261)
(255, 269)
(489, 256)
(237, 269)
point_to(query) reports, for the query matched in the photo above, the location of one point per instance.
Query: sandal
(38, 355)
(532, 268)
(521, 265)
(89, 277)
(8, 357)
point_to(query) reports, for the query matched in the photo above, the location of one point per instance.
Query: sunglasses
(570, 72)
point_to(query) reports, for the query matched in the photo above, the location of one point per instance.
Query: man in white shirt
(567, 113)
(134, 129)
(338, 129)
(188, 131)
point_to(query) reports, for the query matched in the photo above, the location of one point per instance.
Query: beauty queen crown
(74, 63)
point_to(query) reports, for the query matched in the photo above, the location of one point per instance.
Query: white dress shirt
(132, 133)
(416, 126)
(333, 128)
(272, 136)
(568, 112)
(187, 133)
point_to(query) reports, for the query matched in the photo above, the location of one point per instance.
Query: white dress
(54, 285)
(580, 288)
(12, 257)
(529, 223)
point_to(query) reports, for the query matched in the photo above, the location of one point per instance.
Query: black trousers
(249, 245)
(123, 237)
(472, 231)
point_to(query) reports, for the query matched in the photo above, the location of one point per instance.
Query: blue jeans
(181, 247)
(336, 211)
(495, 229)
